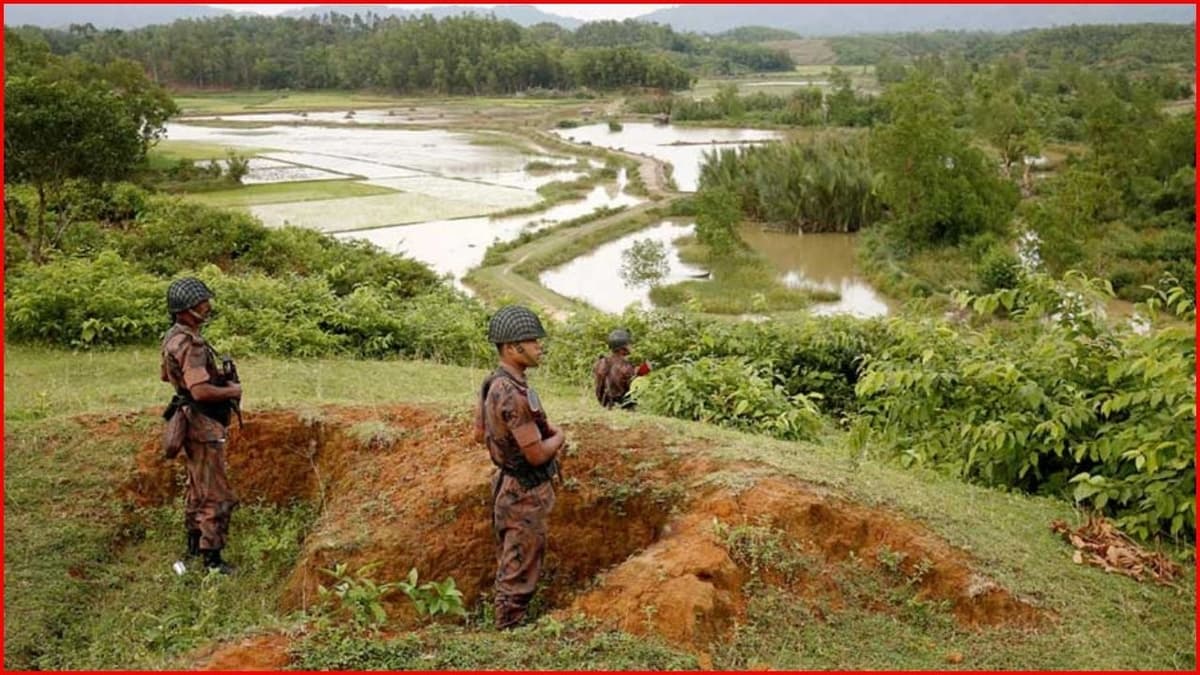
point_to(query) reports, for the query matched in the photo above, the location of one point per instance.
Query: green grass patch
(280, 101)
(173, 151)
(547, 645)
(281, 193)
(535, 264)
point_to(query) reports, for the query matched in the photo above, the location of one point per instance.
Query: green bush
(999, 269)
(172, 235)
(730, 392)
(85, 303)
(1052, 401)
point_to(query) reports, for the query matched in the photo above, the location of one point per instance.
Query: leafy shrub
(730, 392)
(999, 269)
(356, 594)
(1055, 401)
(237, 166)
(85, 303)
(172, 236)
(432, 598)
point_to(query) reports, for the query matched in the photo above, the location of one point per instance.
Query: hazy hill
(105, 16)
(127, 17)
(526, 15)
(848, 19)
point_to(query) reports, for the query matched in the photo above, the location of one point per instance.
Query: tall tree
(68, 121)
(939, 188)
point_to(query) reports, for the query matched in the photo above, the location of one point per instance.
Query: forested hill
(119, 16)
(526, 15)
(812, 20)
(468, 54)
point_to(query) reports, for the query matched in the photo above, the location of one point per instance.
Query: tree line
(466, 54)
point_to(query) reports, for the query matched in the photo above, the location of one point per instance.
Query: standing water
(683, 147)
(824, 261)
(595, 277)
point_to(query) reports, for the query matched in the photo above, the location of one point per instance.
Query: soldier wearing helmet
(203, 401)
(613, 374)
(524, 446)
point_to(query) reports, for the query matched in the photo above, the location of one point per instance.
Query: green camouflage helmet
(184, 294)
(619, 338)
(514, 324)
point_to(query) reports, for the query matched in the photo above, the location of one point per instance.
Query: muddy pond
(820, 261)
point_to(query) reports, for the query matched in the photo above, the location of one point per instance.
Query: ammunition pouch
(175, 434)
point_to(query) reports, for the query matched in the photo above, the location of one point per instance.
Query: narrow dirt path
(503, 280)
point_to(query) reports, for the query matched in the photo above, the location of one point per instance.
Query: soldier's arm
(521, 424)
(538, 450)
(197, 380)
(625, 375)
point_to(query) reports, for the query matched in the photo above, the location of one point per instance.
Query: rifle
(230, 373)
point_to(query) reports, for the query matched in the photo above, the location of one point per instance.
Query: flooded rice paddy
(682, 147)
(455, 246)
(595, 277)
(446, 186)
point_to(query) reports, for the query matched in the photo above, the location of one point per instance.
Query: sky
(583, 12)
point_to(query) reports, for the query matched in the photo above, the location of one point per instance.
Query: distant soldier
(613, 374)
(205, 396)
(523, 445)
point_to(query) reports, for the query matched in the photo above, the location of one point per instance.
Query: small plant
(761, 549)
(432, 597)
(644, 263)
(358, 594)
(614, 125)
(236, 166)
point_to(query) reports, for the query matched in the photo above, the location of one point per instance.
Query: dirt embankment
(633, 527)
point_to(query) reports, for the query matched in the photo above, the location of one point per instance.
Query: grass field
(75, 420)
(224, 103)
(278, 193)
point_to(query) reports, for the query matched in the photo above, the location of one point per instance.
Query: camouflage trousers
(519, 522)
(209, 500)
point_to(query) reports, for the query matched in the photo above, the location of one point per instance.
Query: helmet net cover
(619, 338)
(514, 324)
(184, 294)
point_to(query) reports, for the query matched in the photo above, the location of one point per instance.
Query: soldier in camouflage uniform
(524, 446)
(613, 373)
(204, 394)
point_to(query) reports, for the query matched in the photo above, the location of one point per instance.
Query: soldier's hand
(235, 390)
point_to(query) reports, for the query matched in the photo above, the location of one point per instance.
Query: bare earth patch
(637, 525)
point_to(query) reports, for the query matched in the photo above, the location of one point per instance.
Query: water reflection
(373, 153)
(595, 278)
(669, 143)
(455, 246)
(825, 261)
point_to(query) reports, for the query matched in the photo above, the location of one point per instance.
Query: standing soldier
(524, 446)
(205, 396)
(613, 374)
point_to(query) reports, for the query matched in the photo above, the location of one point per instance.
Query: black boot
(212, 561)
(193, 548)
